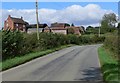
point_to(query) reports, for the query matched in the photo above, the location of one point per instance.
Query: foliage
(118, 25)
(27, 57)
(30, 42)
(108, 23)
(73, 39)
(111, 42)
(110, 19)
(12, 43)
(0, 45)
(109, 66)
(70, 31)
(86, 39)
(72, 24)
(17, 43)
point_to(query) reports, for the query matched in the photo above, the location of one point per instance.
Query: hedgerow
(15, 43)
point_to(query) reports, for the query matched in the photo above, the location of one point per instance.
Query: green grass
(109, 66)
(25, 58)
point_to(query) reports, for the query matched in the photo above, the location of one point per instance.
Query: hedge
(15, 43)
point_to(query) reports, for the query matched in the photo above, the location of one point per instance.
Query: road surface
(77, 63)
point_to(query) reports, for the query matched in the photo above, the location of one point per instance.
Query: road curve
(77, 63)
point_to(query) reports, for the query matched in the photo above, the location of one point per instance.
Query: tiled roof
(18, 20)
(60, 25)
(35, 25)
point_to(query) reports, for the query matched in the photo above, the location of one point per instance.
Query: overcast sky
(81, 13)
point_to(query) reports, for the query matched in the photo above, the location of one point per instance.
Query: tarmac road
(77, 63)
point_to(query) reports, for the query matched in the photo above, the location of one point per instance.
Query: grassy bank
(109, 66)
(9, 63)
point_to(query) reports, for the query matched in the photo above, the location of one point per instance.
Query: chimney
(21, 17)
(9, 15)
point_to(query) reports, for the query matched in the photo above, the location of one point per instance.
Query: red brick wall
(19, 27)
(8, 24)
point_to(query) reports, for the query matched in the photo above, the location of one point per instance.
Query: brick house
(57, 28)
(15, 24)
(62, 28)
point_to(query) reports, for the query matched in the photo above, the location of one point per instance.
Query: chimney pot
(21, 17)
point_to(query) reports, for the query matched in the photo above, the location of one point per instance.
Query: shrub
(111, 42)
(48, 40)
(30, 42)
(12, 43)
(73, 39)
(16, 43)
(97, 39)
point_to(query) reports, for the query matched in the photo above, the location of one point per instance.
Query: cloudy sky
(79, 13)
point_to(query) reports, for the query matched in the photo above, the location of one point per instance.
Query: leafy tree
(89, 30)
(89, 27)
(83, 28)
(118, 25)
(72, 24)
(108, 22)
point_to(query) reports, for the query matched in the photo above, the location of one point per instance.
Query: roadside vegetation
(17, 60)
(109, 52)
(17, 46)
(109, 66)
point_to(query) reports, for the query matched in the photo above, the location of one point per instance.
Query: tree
(72, 24)
(89, 27)
(89, 30)
(108, 22)
(118, 25)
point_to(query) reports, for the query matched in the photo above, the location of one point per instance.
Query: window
(17, 25)
(23, 25)
(7, 24)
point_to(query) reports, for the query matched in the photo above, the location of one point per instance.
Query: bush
(30, 42)
(73, 39)
(112, 43)
(97, 39)
(16, 43)
(12, 43)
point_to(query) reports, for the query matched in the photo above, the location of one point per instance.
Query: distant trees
(92, 30)
(72, 25)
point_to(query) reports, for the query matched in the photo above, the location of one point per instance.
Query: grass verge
(25, 58)
(109, 66)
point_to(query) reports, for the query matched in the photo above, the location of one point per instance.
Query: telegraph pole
(37, 19)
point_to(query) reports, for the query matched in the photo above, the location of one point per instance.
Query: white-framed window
(17, 25)
(23, 25)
